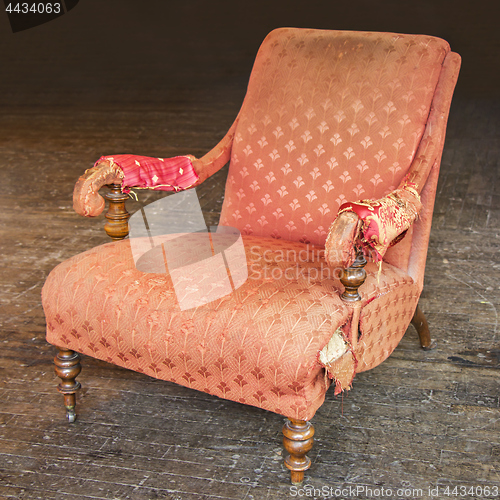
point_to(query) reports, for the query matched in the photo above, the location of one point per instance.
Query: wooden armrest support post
(353, 277)
(117, 225)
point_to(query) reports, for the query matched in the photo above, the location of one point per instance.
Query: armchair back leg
(298, 440)
(420, 323)
(67, 368)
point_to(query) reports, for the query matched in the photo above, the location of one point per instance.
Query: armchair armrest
(166, 174)
(340, 246)
(372, 225)
(127, 171)
(86, 199)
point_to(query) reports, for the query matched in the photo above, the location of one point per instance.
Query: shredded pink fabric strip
(163, 174)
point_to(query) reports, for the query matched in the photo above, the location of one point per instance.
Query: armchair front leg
(298, 440)
(67, 368)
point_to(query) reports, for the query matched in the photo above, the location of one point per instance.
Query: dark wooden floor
(120, 76)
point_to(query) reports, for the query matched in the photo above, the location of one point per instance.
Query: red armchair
(330, 118)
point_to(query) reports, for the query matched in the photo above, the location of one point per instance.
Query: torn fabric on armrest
(385, 221)
(163, 174)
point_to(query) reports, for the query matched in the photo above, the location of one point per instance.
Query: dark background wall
(105, 52)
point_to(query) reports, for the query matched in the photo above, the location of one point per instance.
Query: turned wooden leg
(117, 225)
(420, 324)
(298, 440)
(67, 369)
(353, 277)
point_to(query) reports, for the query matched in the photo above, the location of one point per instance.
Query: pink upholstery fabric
(162, 174)
(425, 170)
(388, 302)
(86, 198)
(384, 321)
(329, 117)
(258, 346)
(384, 223)
(142, 172)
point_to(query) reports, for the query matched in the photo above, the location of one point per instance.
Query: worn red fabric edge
(370, 211)
(162, 174)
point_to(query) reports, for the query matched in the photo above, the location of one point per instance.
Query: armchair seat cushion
(258, 345)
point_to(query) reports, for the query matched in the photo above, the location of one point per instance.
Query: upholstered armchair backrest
(328, 117)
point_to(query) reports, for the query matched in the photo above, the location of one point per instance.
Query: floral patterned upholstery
(258, 345)
(329, 117)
